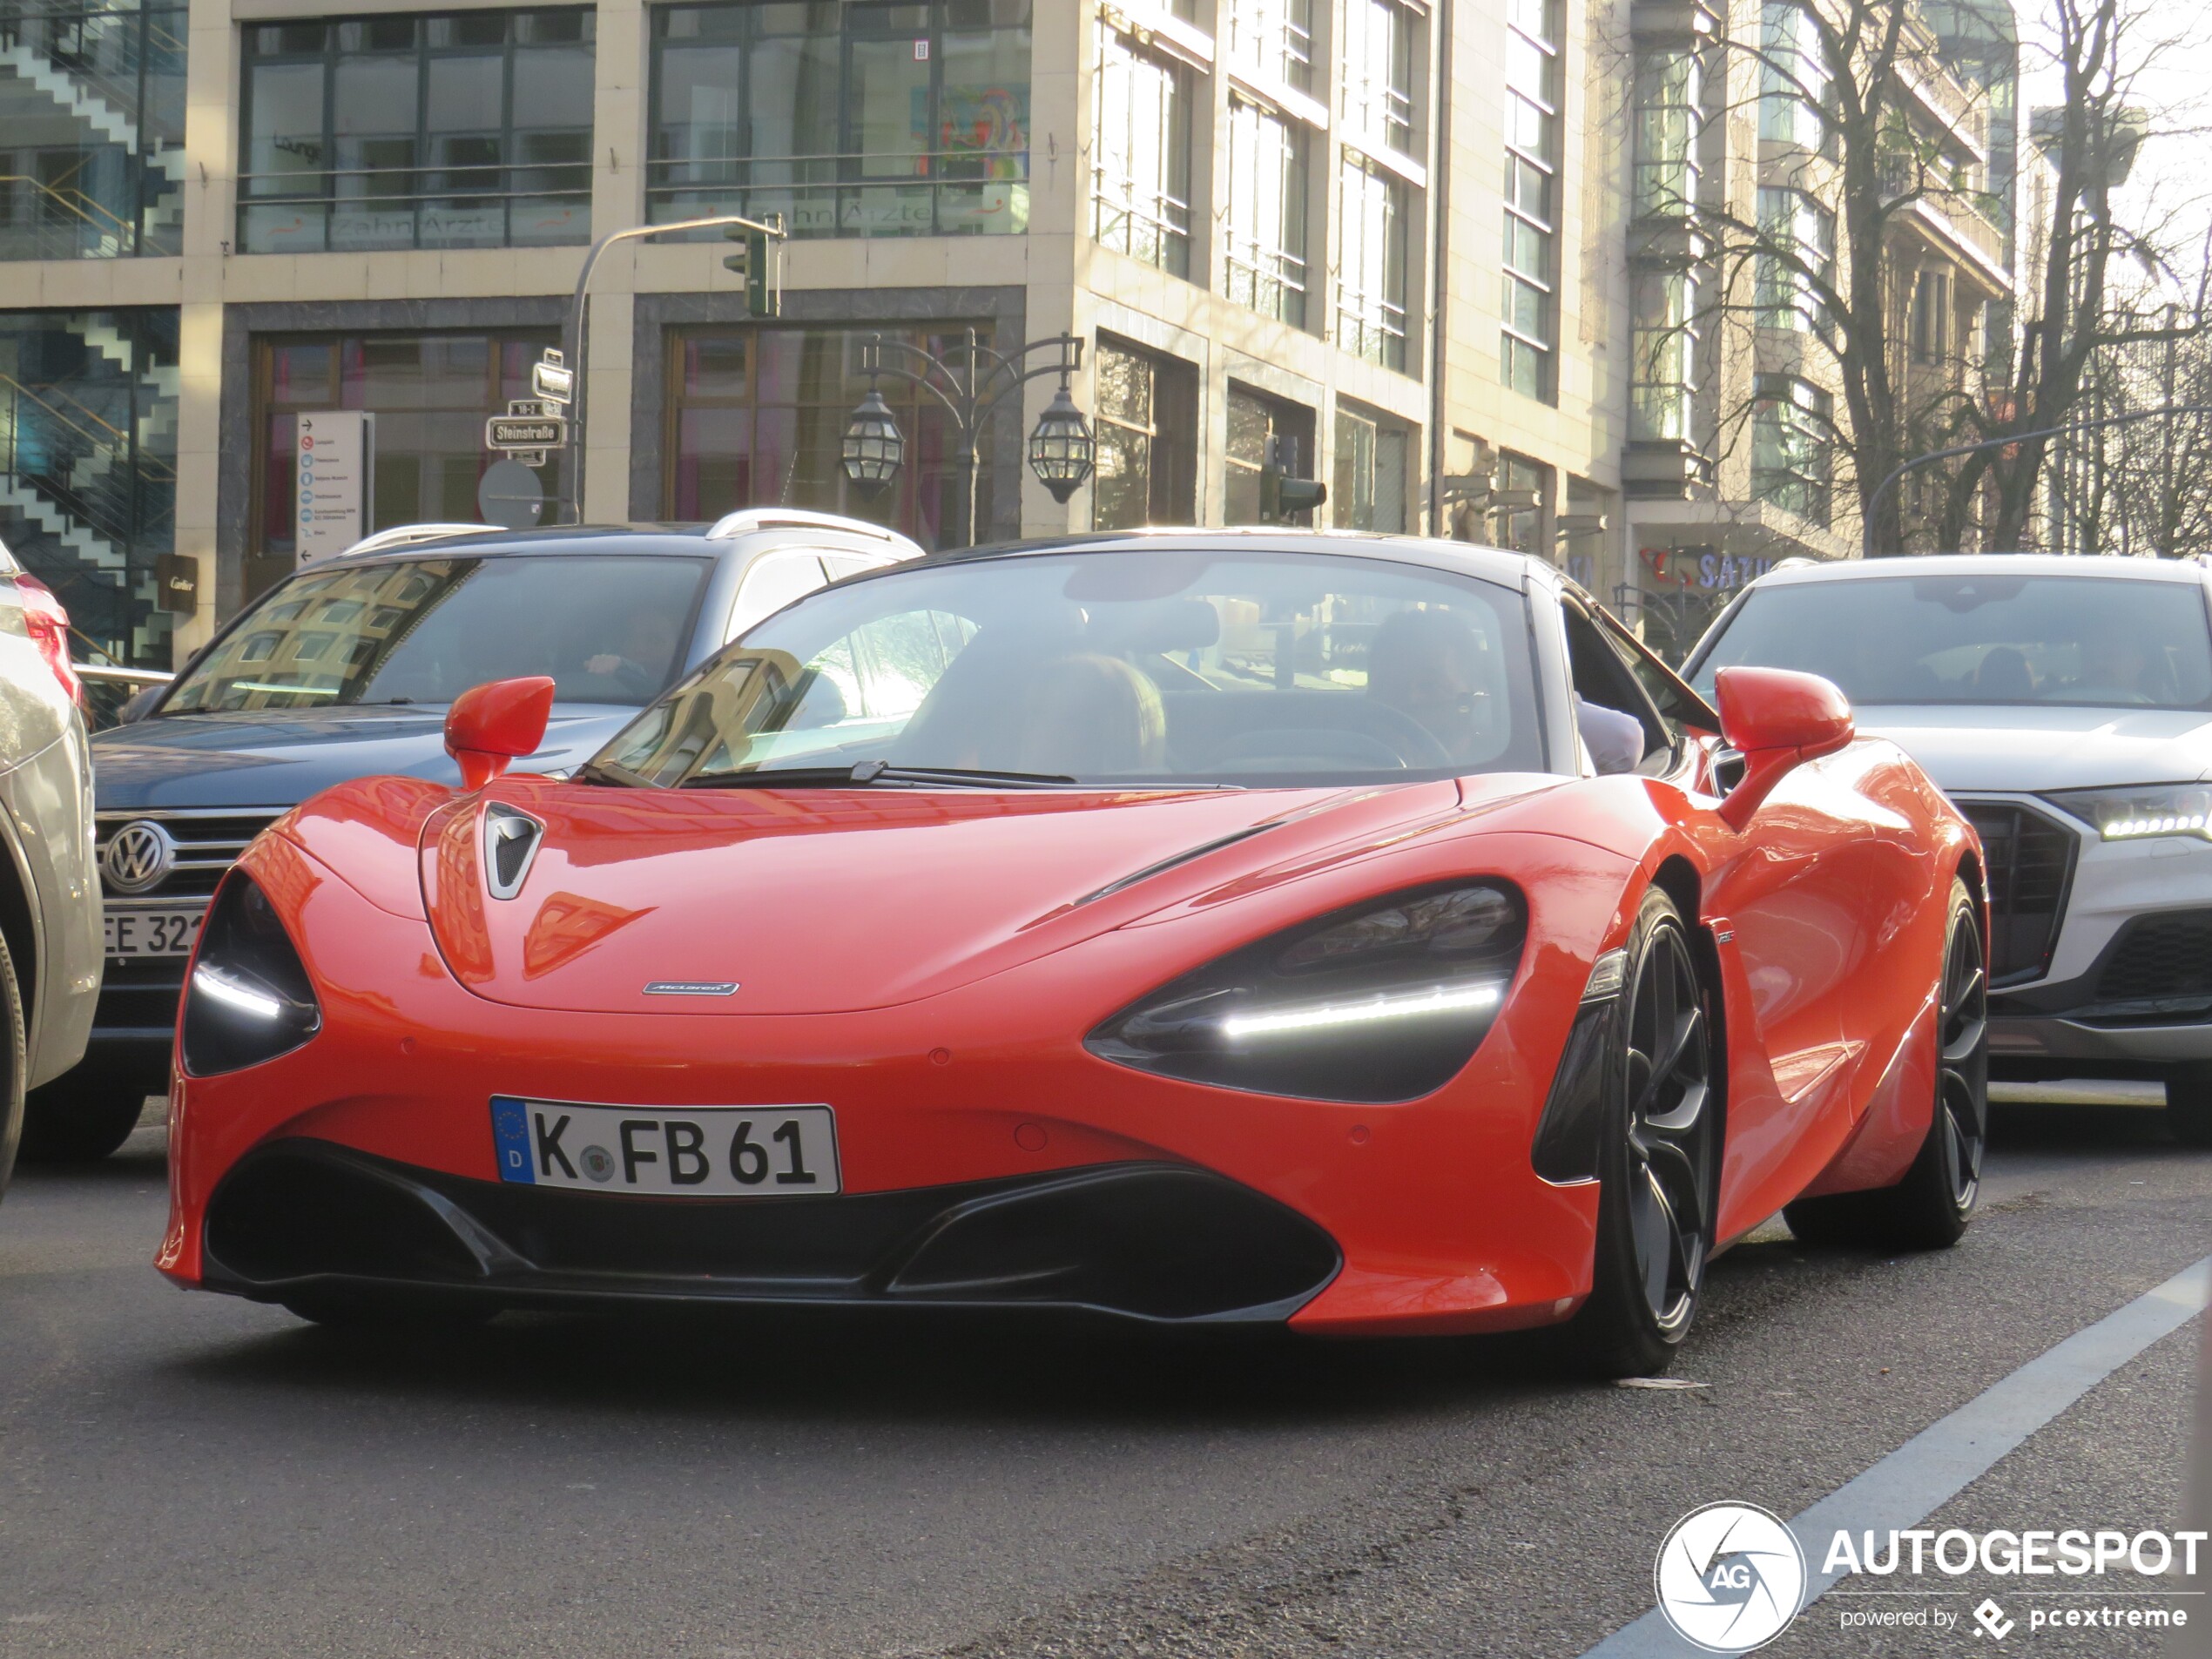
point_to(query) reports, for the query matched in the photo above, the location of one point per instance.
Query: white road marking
(1912, 1482)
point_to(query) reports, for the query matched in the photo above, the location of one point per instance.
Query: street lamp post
(574, 339)
(970, 380)
(1874, 501)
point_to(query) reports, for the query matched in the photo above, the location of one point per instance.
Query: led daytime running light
(1438, 1000)
(219, 986)
(2125, 828)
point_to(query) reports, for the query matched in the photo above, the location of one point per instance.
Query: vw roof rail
(408, 535)
(746, 520)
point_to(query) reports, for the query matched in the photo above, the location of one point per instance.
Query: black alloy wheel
(1659, 1163)
(1930, 1207)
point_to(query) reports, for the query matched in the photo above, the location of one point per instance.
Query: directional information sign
(552, 380)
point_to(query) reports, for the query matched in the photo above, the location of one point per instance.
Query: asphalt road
(194, 1475)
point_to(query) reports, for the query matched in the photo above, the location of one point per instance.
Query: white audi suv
(2066, 705)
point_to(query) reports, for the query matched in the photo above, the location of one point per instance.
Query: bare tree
(1894, 122)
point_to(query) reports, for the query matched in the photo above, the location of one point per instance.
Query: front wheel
(1929, 1209)
(1658, 1158)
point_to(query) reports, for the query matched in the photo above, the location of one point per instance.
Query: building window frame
(1264, 231)
(1144, 411)
(536, 201)
(1528, 357)
(969, 174)
(1665, 343)
(1143, 101)
(1793, 447)
(1271, 39)
(1798, 234)
(1669, 130)
(1379, 55)
(1374, 230)
(1370, 471)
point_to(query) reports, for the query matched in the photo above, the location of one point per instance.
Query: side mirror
(1777, 720)
(489, 725)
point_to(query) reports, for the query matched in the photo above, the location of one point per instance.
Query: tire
(1930, 1207)
(80, 1117)
(14, 1056)
(1659, 1158)
(2189, 1104)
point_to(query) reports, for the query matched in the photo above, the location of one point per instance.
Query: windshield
(1147, 667)
(424, 631)
(2003, 640)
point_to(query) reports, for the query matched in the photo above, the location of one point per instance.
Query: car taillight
(48, 625)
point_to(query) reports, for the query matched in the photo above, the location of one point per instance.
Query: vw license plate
(132, 934)
(712, 1152)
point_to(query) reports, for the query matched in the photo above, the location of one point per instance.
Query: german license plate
(702, 1152)
(132, 934)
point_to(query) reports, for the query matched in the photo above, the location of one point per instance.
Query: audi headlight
(2136, 814)
(249, 999)
(1383, 1002)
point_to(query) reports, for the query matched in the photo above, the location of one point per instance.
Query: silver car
(2066, 704)
(49, 891)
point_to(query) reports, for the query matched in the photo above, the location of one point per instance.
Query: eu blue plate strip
(510, 1133)
(1942, 1460)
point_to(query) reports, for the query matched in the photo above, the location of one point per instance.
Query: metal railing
(126, 56)
(1272, 280)
(62, 223)
(343, 209)
(938, 193)
(83, 465)
(1143, 222)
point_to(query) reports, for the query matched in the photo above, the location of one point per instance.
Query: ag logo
(1729, 1577)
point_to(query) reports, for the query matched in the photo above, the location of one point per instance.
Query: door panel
(1797, 929)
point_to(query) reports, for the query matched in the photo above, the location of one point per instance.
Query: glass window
(2086, 641)
(1378, 53)
(757, 418)
(1158, 666)
(877, 120)
(1793, 77)
(1529, 282)
(429, 393)
(1792, 433)
(92, 129)
(424, 631)
(472, 130)
(1368, 490)
(1663, 371)
(1797, 242)
(1145, 416)
(1374, 217)
(88, 451)
(1273, 39)
(1262, 429)
(1140, 165)
(1264, 265)
(1931, 315)
(1669, 117)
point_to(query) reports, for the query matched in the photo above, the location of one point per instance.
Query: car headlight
(1386, 1001)
(249, 999)
(2134, 814)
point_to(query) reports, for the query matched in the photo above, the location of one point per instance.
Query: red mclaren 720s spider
(1356, 933)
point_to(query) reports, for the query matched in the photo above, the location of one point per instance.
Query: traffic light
(1282, 498)
(763, 296)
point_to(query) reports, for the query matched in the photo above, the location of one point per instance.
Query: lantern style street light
(969, 381)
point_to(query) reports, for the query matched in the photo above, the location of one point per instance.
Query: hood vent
(1167, 864)
(511, 839)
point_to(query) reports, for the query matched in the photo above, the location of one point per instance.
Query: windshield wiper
(870, 773)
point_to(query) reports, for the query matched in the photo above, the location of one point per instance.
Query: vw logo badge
(139, 857)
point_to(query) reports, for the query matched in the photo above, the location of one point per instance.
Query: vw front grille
(207, 843)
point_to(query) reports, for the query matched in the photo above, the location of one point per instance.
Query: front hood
(278, 759)
(829, 900)
(1966, 750)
